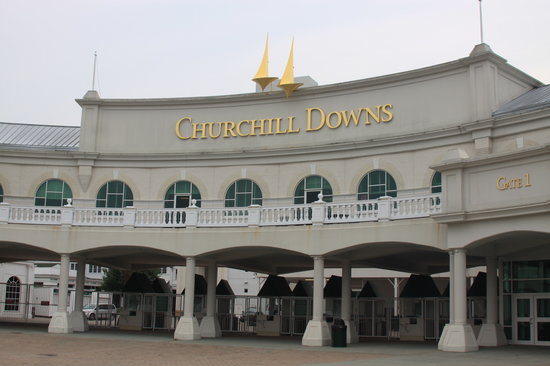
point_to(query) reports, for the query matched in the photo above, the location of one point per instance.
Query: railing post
(192, 215)
(384, 208)
(318, 211)
(4, 212)
(129, 216)
(67, 214)
(254, 212)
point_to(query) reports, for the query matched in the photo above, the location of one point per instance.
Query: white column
(77, 317)
(60, 319)
(451, 297)
(351, 331)
(459, 336)
(317, 332)
(210, 326)
(188, 326)
(491, 333)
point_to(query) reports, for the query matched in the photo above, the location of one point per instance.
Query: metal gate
(238, 313)
(374, 317)
(295, 314)
(157, 311)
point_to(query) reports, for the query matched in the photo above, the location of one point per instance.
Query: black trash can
(339, 336)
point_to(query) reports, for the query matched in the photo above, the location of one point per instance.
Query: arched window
(243, 193)
(13, 291)
(180, 194)
(1, 194)
(309, 188)
(53, 193)
(114, 194)
(436, 182)
(377, 183)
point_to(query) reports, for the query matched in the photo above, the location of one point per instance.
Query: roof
(537, 98)
(18, 135)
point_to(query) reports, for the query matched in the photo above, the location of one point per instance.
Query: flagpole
(480, 21)
(93, 77)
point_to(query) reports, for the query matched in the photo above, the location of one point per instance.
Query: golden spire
(287, 81)
(261, 77)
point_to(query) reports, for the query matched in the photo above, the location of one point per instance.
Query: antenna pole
(93, 77)
(480, 21)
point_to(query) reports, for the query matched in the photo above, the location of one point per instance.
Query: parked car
(101, 311)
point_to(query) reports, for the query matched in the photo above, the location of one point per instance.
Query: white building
(424, 171)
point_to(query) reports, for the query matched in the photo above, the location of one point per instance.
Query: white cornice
(543, 150)
(514, 211)
(323, 90)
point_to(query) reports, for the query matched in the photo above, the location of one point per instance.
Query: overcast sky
(158, 48)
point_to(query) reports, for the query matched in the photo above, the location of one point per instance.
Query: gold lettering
(178, 128)
(228, 127)
(197, 129)
(210, 129)
(351, 116)
(370, 113)
(254, 125)
(291, 125)
(309, 119)
(269, 125)
(389, 114)
(239, 128)
(501, 183)
(527, 182)
(339, 122)
(278, 127)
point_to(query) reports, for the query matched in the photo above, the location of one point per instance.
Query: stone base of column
(78, 321)
(352, 334)
(187, 329)
(317, 334)
(210, 327)
(443, 335)
(491, 335)
(60, 323)
(458, 338)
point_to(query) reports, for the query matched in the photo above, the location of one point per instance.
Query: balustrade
(318, 213)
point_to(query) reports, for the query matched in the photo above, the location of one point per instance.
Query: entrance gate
(295, 314)
(237, 313)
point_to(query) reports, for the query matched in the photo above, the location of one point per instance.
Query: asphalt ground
(31, 344)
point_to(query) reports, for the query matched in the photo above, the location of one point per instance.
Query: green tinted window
(436, 182)
(376, 184)
(114, 194)
(308, 189)
(243, 193)
(53, 192)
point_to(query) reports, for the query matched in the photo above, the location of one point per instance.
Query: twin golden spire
(287, 80)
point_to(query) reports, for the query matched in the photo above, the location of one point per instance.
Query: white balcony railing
(317, 213)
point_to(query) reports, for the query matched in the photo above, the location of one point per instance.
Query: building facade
(424, 171)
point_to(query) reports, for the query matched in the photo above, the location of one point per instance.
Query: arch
(243, 193)
(435, 185)
(13, 294)
(53, 193)
(376, 183)
(114, 194)
(308, 189)
(180, 194)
